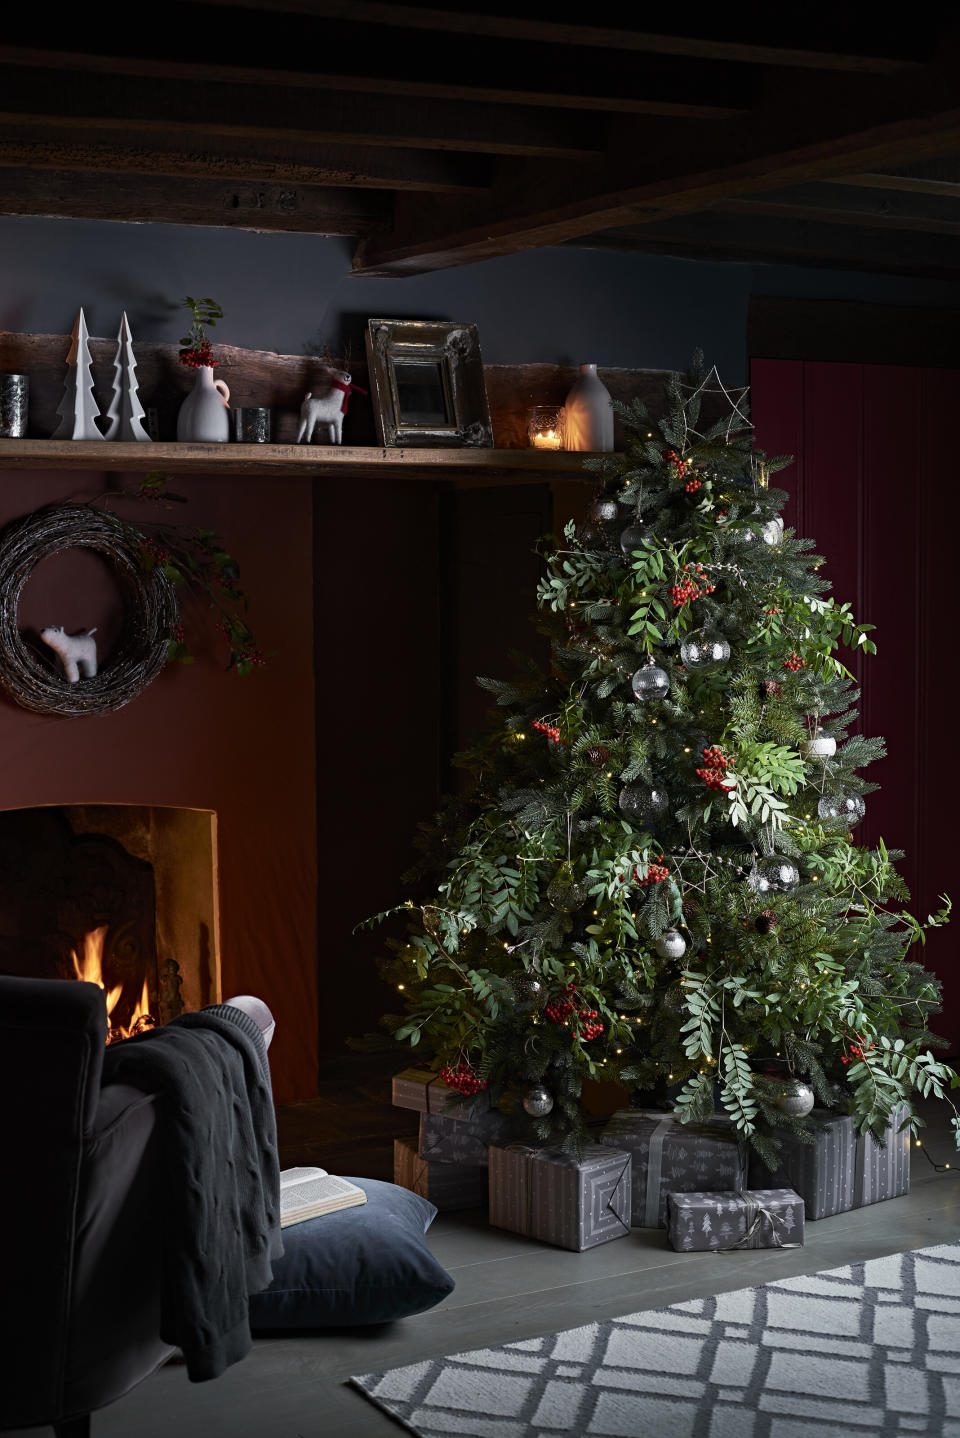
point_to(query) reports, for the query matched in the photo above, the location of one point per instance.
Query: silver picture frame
(427, 385)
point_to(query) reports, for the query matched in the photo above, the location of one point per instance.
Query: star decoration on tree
(734, 395)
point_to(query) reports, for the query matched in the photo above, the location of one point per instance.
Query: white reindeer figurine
(327, 409)
(76, 652)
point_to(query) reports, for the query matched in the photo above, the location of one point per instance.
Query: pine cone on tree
(767, 922)
(598, 754)
(770, 688)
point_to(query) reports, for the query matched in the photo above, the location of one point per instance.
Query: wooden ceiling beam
(191, 154)
(120, 102)
(839, 205)
(910, 181)
(602, 37)
(182, 201)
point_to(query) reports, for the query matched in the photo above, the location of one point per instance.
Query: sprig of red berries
(692, 485)
(656, 873)
(715, 769)
(794, 663)
(689, 588)
(197, 356)
(680, 466)
(462, 1078)
(551, 731)
(560, 1011)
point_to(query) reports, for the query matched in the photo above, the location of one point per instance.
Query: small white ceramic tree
(78, 409)
(125, 414)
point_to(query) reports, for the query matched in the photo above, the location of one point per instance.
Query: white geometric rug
(872, 1348)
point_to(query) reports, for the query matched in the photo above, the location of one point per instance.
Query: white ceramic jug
(589, 413)
(204, 415)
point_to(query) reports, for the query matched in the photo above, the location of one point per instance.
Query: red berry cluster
(559, 1010)
(689, 588)
(680, 465)
(588, 1028)
(771, 610)
(198, 356)
(692, 485)
(656, 873)
(463, 1079)
(715, 769)
(551, 731)
(856, 1051)
(794, 663)
(153, 549)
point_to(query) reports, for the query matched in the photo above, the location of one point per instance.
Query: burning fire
(89, 967)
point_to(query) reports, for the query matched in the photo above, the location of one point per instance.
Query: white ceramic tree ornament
(126, 413)
(78, 409)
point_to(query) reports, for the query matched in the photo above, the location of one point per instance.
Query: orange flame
(89, 967)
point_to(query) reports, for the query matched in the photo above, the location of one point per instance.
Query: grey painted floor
(510, 1288)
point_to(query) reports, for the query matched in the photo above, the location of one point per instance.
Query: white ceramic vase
(204, 415)
(589, 413)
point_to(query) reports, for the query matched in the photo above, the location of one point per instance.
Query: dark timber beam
(848, 205)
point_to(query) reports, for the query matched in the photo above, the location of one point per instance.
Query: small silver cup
(14, 401)
(251, 424)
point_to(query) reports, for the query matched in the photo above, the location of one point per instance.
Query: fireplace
(124, 896)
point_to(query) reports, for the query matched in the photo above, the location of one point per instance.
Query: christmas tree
(653, 876)
(78, 410)
(125, 414)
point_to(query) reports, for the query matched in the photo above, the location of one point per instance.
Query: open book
(307, 1192)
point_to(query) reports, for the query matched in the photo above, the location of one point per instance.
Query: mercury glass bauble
(671, 944)
(796, 1099)
(528, 992)
(772, 530)
(603, 510)
(632, 537)
(837, 808)
(773, 874)
(651, 682)
(565, 891)
(592, 536)
(704, 650)
(537, 1101)
(824, 746)
(640, 803)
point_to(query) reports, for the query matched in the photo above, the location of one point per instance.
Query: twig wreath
(148, 560)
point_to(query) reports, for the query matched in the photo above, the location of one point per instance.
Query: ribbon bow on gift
(756, 1213)
(347, 391)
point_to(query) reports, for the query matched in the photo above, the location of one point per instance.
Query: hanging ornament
(772, 530)
(602, 511)
(822, 746)
(796, 1099)
(651, 682)
(837, 808)
(773, 874)
(528, 992)
(704, 650)
(565, 891)
(632, 537)
(537, 1101)
(671, 944)
(766, 923)
(642, 803)
(592, 536)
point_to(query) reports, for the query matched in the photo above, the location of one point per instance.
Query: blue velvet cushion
(367, 1264)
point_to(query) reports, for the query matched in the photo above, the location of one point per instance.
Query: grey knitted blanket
(221, 1225)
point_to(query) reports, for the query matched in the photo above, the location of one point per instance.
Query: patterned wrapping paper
(840, 1170)
(750, 1218)
(426, 1092)
(452, 1140)
(671, 1157)
(550, 1195)
(448, 1186)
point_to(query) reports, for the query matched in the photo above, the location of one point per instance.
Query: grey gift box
(552, 1195)
(425, 1092)
(448, 1186)
(669, 1156)
(457, 1140)
(840, 1170)
(750, 1218)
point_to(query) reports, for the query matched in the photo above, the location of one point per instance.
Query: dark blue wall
(293, 292)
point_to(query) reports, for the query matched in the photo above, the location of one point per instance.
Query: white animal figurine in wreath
(76, 652)
(327, 409)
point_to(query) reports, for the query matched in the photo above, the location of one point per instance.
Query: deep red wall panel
(875, 449)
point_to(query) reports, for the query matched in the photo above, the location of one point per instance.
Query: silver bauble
(537, 1101)
(704, 650)
(603, 510)
(824, 746)
(640, 803)
(835, 808)
(565, 891)
(796, 1099)
(528, 992)
(671, 944)
(632, 537)
(773, 874)
(772, 530)
(651, 682)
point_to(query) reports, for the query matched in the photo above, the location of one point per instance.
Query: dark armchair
(79, 1221)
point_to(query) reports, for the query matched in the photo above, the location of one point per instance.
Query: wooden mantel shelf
(464, 467)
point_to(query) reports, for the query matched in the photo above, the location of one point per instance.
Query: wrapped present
(448, 1186)
(673, 1157)
(840, 1170)
(426, 1092)
(748, 1218)
(452, 1140)
(549, 1194)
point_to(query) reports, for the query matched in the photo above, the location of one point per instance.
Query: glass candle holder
(545, 426)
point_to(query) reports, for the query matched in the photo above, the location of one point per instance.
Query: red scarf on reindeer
(347, 389)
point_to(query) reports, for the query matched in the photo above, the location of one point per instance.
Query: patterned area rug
(870, 1348)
